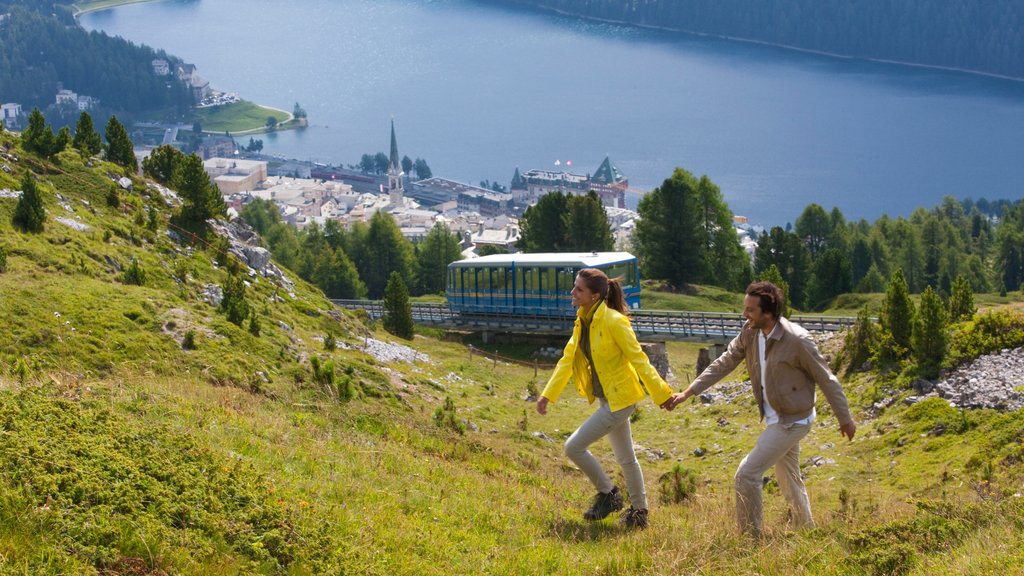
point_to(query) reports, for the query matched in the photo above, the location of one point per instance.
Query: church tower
(396, 185)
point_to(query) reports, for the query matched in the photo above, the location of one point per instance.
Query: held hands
(848, 430)
(676, 399)
(542, 405)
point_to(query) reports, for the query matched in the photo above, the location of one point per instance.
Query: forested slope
(979, 36)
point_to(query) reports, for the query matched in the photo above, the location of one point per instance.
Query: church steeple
(396, 185)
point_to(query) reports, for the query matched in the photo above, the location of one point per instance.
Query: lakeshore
(776, 130)
(240, 118)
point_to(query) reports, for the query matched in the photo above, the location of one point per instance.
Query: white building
(232, 176)
(10, 112)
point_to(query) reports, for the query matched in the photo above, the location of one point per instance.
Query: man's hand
(848, 430)
(542, 405)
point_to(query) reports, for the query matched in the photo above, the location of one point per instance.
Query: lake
(478, 90)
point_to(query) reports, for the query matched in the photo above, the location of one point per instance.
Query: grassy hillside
(123, 453)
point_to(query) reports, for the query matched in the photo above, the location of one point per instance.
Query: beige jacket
(794, 366)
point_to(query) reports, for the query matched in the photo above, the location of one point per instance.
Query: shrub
(134, 274)
(677, 485)
(234, 304)
(934, 414)
(3, 259)
(189, 341)
(444, 417)
(862, 341)
(330, 343)
(988, 332)
(113, 197)
(254, 324)
(29, 214)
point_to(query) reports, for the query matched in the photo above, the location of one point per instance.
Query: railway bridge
(650, 325)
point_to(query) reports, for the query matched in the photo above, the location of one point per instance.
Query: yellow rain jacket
(619, 361)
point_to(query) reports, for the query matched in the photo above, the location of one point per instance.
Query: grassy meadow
(122, 452)
(242, 117)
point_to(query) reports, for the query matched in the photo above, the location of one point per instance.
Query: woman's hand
(542, 405)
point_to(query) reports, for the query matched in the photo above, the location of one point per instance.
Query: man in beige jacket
(784, 365)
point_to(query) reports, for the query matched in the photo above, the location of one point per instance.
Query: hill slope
(124, 453)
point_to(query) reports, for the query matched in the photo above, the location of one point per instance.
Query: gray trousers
(779, 446)
(614, 425)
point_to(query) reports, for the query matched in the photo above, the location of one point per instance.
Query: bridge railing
(671, 323)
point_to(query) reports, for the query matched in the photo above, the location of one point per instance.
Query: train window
(499, 280)
(626, 271)
(566, 279)
(469, 279)
(483, 279)
(455, 278)
(550, 277)
(531, 279)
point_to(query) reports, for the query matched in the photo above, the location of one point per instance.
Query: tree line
(356, 262)
(378, 164)
(41, 49)
(982, 36)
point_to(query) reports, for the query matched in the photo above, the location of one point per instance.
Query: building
(484, 202)
(396, 177)
(161, 67)
(541, 182)
(610, 184)
(233, 176)
(67, 97)
(10, 114)
(197, 85)
(518, 189)
(436, 191)
(216, 147)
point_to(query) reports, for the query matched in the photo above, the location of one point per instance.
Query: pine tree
(161, 162)
(86, 139)
(397, 308)
(961, 301)
(387, 251)
(862, 341)
(586, 224)
(897, 316)
(61, 142)
(29, 214)
(542, 228)
(439, 248)
(201, 199)
(33, 133)
(233, 305)
(930, 339)
(120, 149)
(773, 275)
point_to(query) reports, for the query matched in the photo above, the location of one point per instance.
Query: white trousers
(779, 446)
(614, 425)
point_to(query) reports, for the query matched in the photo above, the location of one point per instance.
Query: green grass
(122, 453)
(239, 117)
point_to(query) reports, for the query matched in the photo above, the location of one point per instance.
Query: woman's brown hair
(609, 289)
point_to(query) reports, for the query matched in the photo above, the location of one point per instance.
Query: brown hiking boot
(604, 504)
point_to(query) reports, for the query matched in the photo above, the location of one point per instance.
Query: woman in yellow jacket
(606, 362)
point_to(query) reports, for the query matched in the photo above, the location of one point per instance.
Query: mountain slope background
(127, 447)
(977, 36)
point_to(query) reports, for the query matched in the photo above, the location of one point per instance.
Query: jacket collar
(597, 311)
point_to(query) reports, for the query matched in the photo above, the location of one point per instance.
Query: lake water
(479, 90)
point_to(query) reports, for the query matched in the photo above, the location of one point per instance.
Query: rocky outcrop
(993, 381)
(245, 245)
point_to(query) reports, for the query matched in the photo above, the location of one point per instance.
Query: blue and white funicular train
(533, 284)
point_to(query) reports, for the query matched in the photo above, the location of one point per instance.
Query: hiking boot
(634, 518)
(604, 504)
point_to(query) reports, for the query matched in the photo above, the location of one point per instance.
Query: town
(486, 220)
